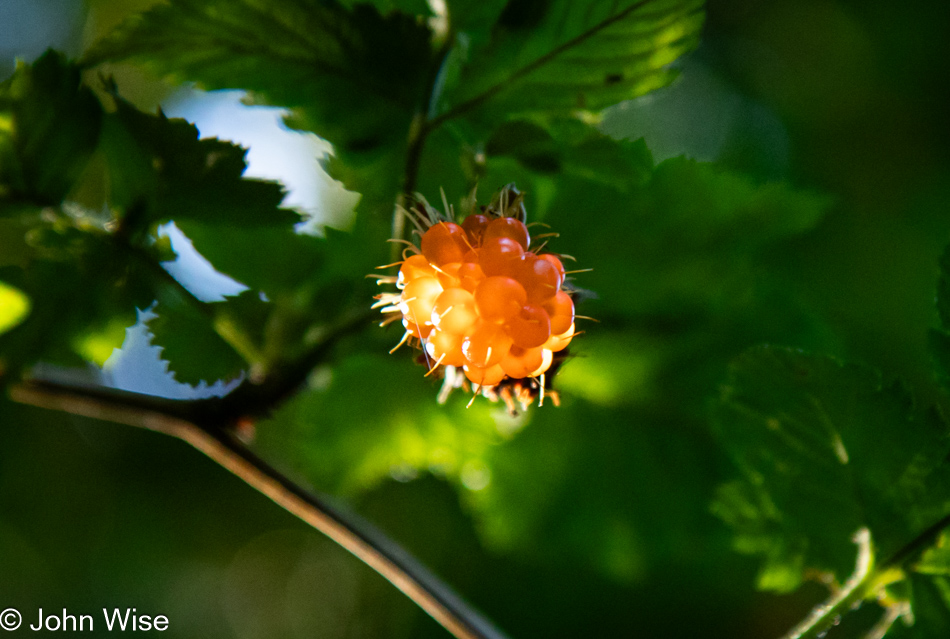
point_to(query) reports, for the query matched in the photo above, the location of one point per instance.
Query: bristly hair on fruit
(485, 306)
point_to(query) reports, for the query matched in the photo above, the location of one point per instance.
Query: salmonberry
(454, 311)
(500, 256)
(475, 225)
(485, 376)
(507, 227)
(444, 242)
(499, 298)
(530, 327)
(475, 297)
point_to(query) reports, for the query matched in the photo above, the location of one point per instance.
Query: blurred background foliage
(819, 226)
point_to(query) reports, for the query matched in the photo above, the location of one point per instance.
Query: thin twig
(917, 545)
(823, 616)
(222, 445)
(866, 580)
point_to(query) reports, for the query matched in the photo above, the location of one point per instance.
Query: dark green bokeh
(596, 519)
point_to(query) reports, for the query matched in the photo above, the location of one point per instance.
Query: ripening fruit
(454, 311)
(499, 298)
(557, 343)
(444, 242)
(539, 277)
(520, 362)
(477, 298)
(485, 376)
(507, 227)
(417, 330)
(547, 357)
(531, 327)
(475, 225)
(414, 267)
(561, 310)
(500, 256)
(418, 299)
(470, 274)
(486, 345)
(445, 348)
(556, 263)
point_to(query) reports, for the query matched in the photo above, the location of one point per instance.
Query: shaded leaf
(411, 7)
(475, 18)
(194, 350)
(572, 148)
(569, 482)
(353, 77)
(49, 125)
(825, 448)
(930, 602)
(936, 559)
(272, 260)
(161, 166)
(683, 243)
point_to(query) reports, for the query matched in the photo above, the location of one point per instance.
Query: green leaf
(936, 559)
(49, 125)
(571, 483)
(353, 77)
(579, 483)
(568, 146)
(84, 292)
(930, 603)
(14, 307)
(824, 449)
(474, 18)
(161, 165)
(347, 444)
(298, 285)
(195, 351)
(411, 7)
(272, 260)
(685, 242)
(560, 57)
(528, 143)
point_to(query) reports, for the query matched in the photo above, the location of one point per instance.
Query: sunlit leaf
(14, 307)
(561, 57)
(347, 444)
(83, 292)
(97, 346)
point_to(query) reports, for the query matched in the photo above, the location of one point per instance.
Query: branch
(866, 580)
(917, 545)
(854, 590)
(221, 444)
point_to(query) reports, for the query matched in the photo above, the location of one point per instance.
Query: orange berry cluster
(478, 299)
